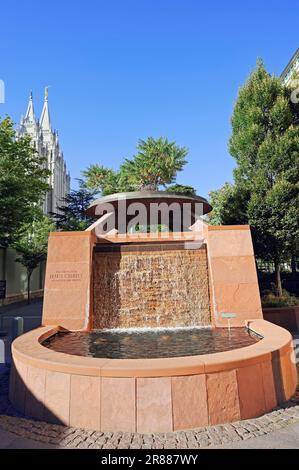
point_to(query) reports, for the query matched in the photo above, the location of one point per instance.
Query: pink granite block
(85, 407)
(251, 391)
(234, 269)
(57, 397)
(35, 397)
(230, 243)
(189, 401)
(118, 406)
(269, 385)
(223, 400)
(288, 374)
(20, 386)
(154, 407)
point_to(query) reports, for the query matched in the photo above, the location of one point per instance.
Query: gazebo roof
(148, 197)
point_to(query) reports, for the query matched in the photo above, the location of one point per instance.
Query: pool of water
(151, 343)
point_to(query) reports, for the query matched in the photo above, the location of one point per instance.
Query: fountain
(151, 331)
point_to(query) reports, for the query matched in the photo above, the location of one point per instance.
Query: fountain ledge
(152, 395)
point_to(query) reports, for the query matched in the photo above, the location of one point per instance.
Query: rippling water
(152, 343)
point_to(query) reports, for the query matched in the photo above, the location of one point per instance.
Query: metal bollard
(17, 327)
(2, 352)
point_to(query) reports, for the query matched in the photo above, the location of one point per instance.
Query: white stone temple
(45, 141)
(291, 69)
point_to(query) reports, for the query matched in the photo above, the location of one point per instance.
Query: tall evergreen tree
(72, 212)
(265, 145)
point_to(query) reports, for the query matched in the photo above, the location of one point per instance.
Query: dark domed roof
(148, 197)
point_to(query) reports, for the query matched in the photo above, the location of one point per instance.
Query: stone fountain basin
(152, 395)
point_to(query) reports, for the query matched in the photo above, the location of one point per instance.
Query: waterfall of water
(151, 289)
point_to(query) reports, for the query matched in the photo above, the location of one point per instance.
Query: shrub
(286, 300)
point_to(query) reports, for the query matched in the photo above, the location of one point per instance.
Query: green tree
(31, 244)
(264, 140)
(71, 215)
(23, 181)
(102, 179)
(182, 189)
(274, 217)
(265, 145)
(229, 205)
(156, 164)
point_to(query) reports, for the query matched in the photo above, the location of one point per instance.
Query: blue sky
(120, 70)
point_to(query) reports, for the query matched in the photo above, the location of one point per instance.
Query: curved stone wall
(286, 317)
(152, 395)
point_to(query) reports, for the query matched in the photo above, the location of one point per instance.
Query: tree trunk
(28, 286)
(278, 279)
(3, 274)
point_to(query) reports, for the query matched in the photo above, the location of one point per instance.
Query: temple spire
(30, 115)
(45, 121)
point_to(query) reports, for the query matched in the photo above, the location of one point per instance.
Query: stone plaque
(65, 276)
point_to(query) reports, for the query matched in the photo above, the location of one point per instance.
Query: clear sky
(120, 70)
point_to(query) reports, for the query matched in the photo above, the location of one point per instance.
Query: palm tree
(156, 164)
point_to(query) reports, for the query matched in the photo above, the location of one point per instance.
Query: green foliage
(23, 183)
(181, 189)
(265, 137)
(156, 164)
(72, 213)
(274, 217)
(31, 243)
(229, 205)
(265, 145)
(285, 300)
(104, 180)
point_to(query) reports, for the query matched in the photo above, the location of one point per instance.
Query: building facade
(291, 69)
(45, 141)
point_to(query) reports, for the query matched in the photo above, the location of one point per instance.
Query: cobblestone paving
(67, 437)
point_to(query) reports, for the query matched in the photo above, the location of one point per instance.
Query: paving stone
(125, 441)
(159, 441)
(182, 441)
(191, 440)
(214, 436)
(204, 443)
(232, 433)
(169, 440)
(259, 432)
(250, 427)
(146, 446)
(136, 442)
(83, 445)
(157, 445)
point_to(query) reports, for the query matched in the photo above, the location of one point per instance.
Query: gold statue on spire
(46, 92)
